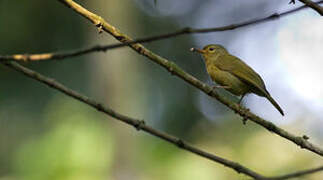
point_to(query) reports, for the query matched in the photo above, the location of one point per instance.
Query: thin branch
(140, 125)
(301, 141)
(184, 31)
(49, 56)
(297, 174)
(315, 6)
(136, 123)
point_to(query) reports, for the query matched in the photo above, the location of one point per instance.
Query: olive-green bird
(233, 74)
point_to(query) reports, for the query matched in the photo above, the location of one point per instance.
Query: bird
(232, 74)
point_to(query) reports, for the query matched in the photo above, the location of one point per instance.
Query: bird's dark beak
(197, 50)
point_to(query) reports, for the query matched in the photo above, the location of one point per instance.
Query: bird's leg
(241, 98)
(218, 86)
(244, 110)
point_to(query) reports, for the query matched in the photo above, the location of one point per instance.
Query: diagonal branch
(49, 56)
(136, 123)
(57, 56)
(301, 141)
(314, 5)
(297, 174)
(140, 125)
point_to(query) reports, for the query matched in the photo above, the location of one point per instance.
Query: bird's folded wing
(241, 70)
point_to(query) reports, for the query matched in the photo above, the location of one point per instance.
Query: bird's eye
(211, 49)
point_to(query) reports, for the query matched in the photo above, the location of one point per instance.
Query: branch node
(274, 16)
(25, 58)
(141, 51)
(22, 57)
(139, 124)
(271, 127)
(171, 67)
(187, 30)
(171, 70)
(233, 26)
(120, 38)
(237, 168)
(305, 137)
(180, 143)
(243, 113)
(210, 92)
(99, 48)
(301, 141)
(99, 107)
(100, 27)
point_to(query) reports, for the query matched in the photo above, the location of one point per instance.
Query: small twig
(57, 56)
(315, 6)
(297, 174)
(49, 56)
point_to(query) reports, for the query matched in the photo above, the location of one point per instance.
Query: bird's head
(211, 50)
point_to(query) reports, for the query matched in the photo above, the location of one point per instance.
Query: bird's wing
(241, 70)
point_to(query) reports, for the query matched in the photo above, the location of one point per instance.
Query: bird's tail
(273, 102)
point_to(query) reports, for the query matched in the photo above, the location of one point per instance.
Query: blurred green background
(47, 135)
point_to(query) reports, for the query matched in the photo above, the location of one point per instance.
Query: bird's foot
(244, 113)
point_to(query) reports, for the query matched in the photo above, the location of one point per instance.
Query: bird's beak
(197, 50)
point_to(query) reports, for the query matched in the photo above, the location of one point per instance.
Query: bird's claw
(244, 114)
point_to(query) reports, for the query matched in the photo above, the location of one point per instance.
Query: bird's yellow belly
(223, 78)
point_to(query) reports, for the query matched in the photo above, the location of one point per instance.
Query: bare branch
(140, 125)
(314, 5)
(297, 174)
(49, 56)
(176, 70)
(136, 123)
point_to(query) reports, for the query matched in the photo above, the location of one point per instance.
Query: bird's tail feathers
(274, 103)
